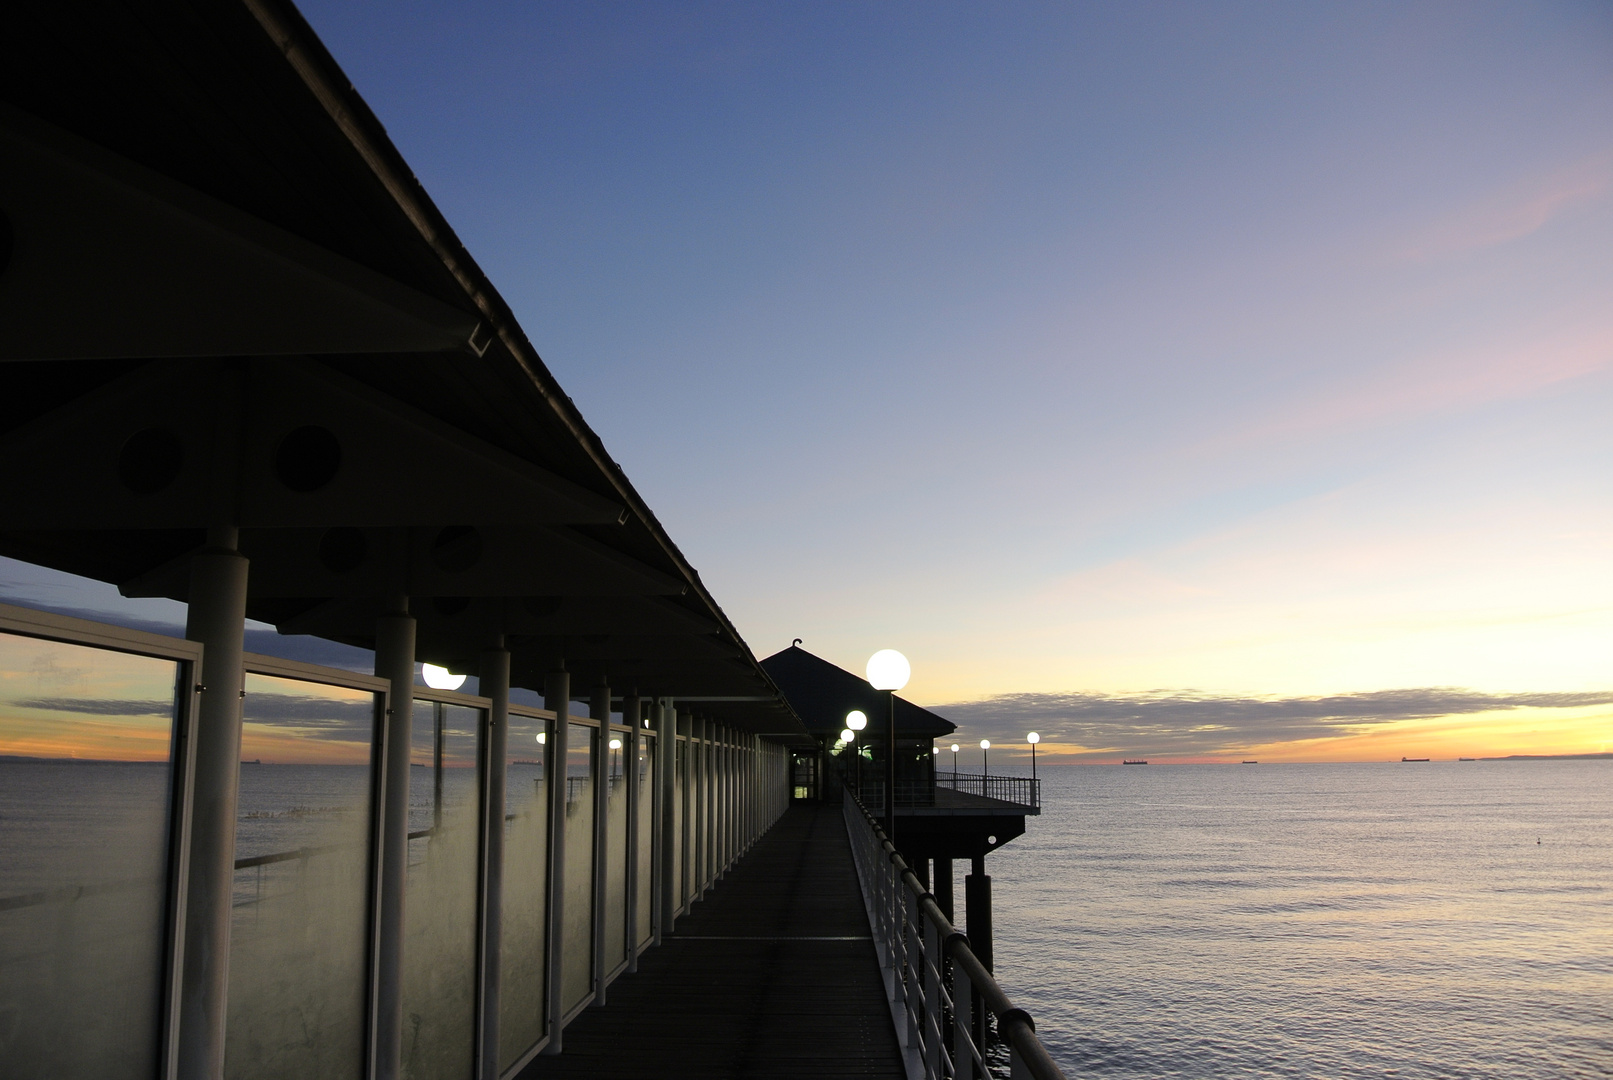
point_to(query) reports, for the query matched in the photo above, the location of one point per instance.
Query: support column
(725, 804)
(977, 895)
(216, 617)
(557, 698)
(665, 747)
(943, 887)
(599, 706)
(495, 686)
(631, 709)
(394, 662)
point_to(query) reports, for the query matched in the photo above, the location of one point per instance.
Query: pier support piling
(977, 896)
(942, 888)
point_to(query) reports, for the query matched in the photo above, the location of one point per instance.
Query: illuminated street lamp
(1033, 739)
(954, 764)
(985, 744)
(440, 678)
(889, 670)
(615, 745)
(856, 720)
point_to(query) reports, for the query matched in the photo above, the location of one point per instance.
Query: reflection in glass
(523, 955)
(439, 909)
(680, 788)
(646, 834)
(615, 929)
(299, 926)
(85, 775)
(577, 956)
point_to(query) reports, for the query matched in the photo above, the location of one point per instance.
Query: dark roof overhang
(226, 301)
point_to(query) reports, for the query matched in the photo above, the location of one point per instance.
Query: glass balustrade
(523, 952)
(439, 907)
(577, 954)
(86, 775)
(615, 928)
(299, 926)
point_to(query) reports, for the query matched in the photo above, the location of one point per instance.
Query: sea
(1416, 920)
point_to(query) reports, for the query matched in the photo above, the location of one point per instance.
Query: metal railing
(1018, 790)
(940, 993)
(1021, 790)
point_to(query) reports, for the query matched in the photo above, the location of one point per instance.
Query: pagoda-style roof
(822, 694)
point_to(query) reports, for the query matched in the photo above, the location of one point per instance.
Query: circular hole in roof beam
(449, 606)
(308, 459)
(458, 547)
(342, 550)
(540, 607)
(150, 460)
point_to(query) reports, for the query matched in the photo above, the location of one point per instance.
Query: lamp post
(856, 720)
(985, 744)
(1033, 739)
(954, 765)
(615, 745)
(889, 670)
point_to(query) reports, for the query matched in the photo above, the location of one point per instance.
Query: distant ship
(1251, 763)
(1130, 761)
(1413, 759)
(1467, 759)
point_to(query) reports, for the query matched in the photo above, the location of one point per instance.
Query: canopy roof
(225, 301)
(822, 694)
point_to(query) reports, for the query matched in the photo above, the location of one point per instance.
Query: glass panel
(646, 833)
(439, 910)
(85, 775)
(577, 956)
(523, 955)
(298, 931)
(680, 787)
(615, 856)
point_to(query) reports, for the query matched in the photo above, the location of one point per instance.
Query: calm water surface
(1439, 920)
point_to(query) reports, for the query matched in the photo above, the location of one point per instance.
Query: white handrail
(941, 995)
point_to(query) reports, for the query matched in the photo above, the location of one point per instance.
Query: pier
(456, 770)
(772, 974)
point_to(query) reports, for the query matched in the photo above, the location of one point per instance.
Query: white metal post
(394, 662)
(217, 618)
(599, 707)
(557, 698)
(631, 709)
(495, 686)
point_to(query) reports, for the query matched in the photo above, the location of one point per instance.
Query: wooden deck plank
(736, 992)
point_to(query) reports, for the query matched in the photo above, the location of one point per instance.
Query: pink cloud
(1513, 212)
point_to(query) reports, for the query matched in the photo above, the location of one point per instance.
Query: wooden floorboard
(741, 988)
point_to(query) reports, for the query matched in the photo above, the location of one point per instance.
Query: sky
(1187, 380)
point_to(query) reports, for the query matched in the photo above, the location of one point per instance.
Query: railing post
(934, 1014)
(910, 973)
(963, 1011)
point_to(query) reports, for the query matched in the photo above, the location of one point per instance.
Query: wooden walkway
(771, 975)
